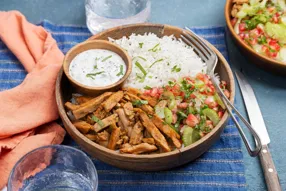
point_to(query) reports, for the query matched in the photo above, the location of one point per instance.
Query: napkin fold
(27, 111)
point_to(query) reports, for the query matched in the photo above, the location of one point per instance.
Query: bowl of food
(167, 112)
(259, 29)
(96, 66)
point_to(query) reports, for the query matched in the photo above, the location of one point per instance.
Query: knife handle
(269, 170)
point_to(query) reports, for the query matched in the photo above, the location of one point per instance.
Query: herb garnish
(106, 58)
(95, 119)
(176, 69)
(160, 60)
(155, 48)
(142, 58)
(92, 75)
(142, 70)
(121, 71)
(147, 88)
(141, 44)
(95, 67)
(139, 102)
(186, 88)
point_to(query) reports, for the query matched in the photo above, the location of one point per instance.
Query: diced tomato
(160, 90)
(242, 35)
(254, 33)
(242, 27)
(271, 9)
(183, 105)
(233, 21)
(273, 54)
(193, 96)
(182, 94)
(264, 49)
(203, 77)
(209, 122)
(259, 29)
(147, 92)
(274, 45)
(275, 19)
(211, 102)
(220, 114)
(192, 120)
(154, 92)
(246, 35)
(253, 41)
(226, 93)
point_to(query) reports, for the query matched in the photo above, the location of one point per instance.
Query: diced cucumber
(190, 135)
(191, 110)
(160, 111)
(212, 115)
(219, 101)
(199, 84)
(172, 103)
(168, 115)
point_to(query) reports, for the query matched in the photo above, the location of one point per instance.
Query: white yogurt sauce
(97, 67)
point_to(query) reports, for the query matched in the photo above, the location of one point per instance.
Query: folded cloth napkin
(27, 111)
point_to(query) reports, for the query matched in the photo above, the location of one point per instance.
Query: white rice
(173, 52)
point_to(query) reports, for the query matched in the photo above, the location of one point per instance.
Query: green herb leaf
(139, 102)
(160, 60)
(142, 58)
(171, 83)
(95, 66)
(155, 48)
(141, 44)
(147, 88)
(92, 75)
(176, 69)
(95, 119)
(262, 40)
(121, 71)
(106, 58)
(142, 70)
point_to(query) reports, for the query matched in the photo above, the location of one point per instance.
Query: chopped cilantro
(106, 58)
(160, 60)
(95, 119)
(155, 48)
(139, 102)
(121, 71)
(176, 69)
(262, 40)
(147, 88)
(142, 58)
(92, 75)
(141, 44)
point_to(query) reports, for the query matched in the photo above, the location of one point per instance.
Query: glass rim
(57, 146)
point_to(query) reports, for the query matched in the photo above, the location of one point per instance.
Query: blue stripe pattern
(221, 168)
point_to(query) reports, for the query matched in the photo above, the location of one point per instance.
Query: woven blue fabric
(221, 168)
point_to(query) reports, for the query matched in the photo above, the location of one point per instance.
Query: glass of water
(104, 14)
(55, 167)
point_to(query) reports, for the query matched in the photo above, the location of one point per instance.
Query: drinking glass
(54, 167)
(104, 14)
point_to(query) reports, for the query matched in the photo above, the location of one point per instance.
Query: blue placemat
(221, 168)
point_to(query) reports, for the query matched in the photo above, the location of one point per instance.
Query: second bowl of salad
(259, 28)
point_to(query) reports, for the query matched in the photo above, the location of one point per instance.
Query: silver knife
(257, 122)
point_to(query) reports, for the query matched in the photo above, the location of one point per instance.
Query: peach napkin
(27, 111)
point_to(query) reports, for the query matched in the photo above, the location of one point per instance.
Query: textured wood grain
(143, 162)
(269, 170)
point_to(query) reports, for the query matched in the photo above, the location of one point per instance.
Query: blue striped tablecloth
(221, 168)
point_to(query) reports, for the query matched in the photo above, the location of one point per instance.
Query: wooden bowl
(151, 162)
(96, 44)
(258, 59)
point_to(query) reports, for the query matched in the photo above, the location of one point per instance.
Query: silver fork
(211, 59)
